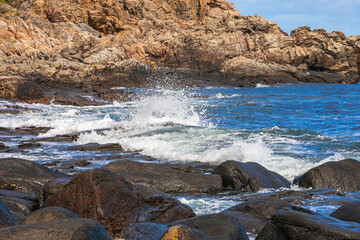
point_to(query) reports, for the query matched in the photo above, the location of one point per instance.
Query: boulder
(180, 232)
(348, 212)
(216, 226)
(254, 214)
(249, 177)
(169, 178)
(48, 214)
(25, 176)
(6, 218)
(343, 176)
(20, 89)
(67, 229)
(20, 202)
(298, 223)
(144, 231)
(112, 200)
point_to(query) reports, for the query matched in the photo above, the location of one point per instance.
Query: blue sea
(288, 129)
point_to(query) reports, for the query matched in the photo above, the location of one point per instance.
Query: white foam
(259, 85)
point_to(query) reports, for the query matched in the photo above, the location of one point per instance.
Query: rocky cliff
(137, 42)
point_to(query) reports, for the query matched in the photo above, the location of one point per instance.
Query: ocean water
(286, 128)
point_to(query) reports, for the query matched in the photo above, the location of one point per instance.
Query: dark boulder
(20, 89)
(25, 176)
(254, 214)
(169, 178)
(112, 200)
(6, 218)
(180, 232)
(348, 212)
(298, 223)
(144, 231)
(54, 185)
(248, 177)
(20, 202)
(343, 176)
(68, 229)
(49, 214)
(216, 226)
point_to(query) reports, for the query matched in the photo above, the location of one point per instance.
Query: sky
(340, 15)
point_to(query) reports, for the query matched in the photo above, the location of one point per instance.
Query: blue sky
(340, 15)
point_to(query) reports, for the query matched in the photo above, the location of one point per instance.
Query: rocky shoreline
(34, 201)
(89, 47)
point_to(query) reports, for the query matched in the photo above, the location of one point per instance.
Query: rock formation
(80, 42)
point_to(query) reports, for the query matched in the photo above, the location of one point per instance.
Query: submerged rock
(217, 226)
(49, 214)
(169, 178)
(298, 223)
(343, 176)
(181, 232)
(254, 214)
(68, 229)
(248, 177)
(112, 200)
(348, 212)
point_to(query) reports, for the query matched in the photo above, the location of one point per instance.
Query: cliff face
(67, 41)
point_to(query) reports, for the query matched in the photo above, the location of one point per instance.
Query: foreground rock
(6, 218)
(20, 203)
(248, 177)
(113, 201)
(217, 226)
(181, 232)
(20, 89)
(25, 176)
(298, 223)
(144, 231)
(169, 178)
(58, 230)
(255, 214)
(343, 176)
(348, 212)
(49, 214)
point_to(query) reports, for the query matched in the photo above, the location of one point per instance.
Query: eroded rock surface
(113, 201)
(135, 42)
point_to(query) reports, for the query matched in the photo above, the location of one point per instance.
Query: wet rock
(348, 212)
(48, 214)
(343, 176)
(298, 223)
(20, 89)
(6, 218)
(29, 145)
(254, 214)
(96, 147)
(168, 178)
(217, 226)
(26, 176)
(67, 229)
(144, 231)
(111, 199)
(20, 202)
(183, 233)
(3, 147)
(53, 186)
(248, 177)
